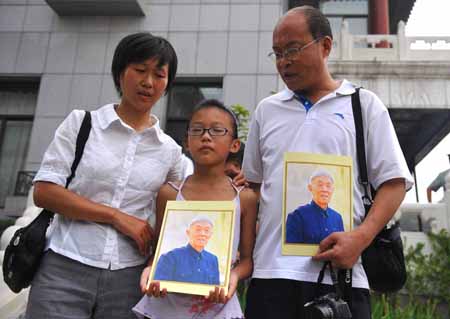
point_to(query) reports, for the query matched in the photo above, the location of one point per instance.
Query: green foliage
(429, 274)
(243, 116)
(427, 285)
(386, 307)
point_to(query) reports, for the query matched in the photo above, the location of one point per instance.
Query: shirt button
(198, 269)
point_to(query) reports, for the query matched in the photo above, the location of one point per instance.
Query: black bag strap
(83, 135)
(345, 275)
(361, 150)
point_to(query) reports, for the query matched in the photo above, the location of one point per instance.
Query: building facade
(55, 56)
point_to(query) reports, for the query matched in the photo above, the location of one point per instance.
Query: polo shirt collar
(107, 115)
(346, 88)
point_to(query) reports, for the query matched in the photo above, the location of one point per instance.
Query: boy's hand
(144, 278)
(217, 295)
(155, 291)
(151, 289)
(234, 280)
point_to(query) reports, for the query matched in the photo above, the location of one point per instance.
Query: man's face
(322, 189)
(304, 71)
(232, 168)
(199, 233)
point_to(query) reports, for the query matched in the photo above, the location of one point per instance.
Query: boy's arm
(165, 193)
(244, 268)
(256, 188)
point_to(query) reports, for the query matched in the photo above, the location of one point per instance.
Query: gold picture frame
(299, 237)
(177, 218)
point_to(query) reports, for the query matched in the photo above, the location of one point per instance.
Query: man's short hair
(318, 23)
(201, 218)
(321, 172)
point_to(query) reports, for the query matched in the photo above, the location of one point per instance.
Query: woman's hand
(139, 230)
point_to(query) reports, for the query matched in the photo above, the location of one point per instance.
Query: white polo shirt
(120, 168)
(281, 124)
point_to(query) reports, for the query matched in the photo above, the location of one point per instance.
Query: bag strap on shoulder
(82, 137)
(361, 150)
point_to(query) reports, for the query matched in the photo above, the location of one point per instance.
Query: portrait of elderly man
(311, 223)
(191, 263)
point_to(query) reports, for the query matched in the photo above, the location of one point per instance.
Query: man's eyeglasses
(292, 53)
(213, 131)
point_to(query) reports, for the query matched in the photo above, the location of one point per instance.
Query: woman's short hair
(138, 47)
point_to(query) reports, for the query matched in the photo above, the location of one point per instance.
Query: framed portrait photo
(195, 245)
(317, 200)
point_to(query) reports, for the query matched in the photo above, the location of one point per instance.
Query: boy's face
(206, 149)
(143, 84)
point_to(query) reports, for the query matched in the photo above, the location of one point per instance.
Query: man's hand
(342, 248)
(139, 230)
(240, 180)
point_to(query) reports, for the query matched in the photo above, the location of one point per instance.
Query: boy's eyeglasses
(213, 131)
(290, 54)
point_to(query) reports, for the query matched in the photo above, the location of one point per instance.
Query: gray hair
(321, 172)
(201, 218)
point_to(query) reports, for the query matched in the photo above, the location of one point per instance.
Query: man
(438, 182)
(234, 162)
(191, 263)
(314, 115)
(311, 223)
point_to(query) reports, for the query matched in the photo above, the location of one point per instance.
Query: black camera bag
(26, 248)
(383, 259)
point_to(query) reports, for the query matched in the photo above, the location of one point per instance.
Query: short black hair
(211, 103)
(141, 46)
(318, 23)
(237, 157)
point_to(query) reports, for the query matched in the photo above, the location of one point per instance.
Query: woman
(99, 240)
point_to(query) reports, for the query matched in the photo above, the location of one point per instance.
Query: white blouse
(120, 168)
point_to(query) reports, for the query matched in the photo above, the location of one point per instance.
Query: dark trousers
(284, 298)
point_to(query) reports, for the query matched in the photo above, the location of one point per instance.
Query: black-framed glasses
(213, 131)
(291, 53)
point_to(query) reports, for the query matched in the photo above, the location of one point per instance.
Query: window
(17, 104)
(183, 96)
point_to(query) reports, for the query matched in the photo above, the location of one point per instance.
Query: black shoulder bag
(26, 248)
(383, 259)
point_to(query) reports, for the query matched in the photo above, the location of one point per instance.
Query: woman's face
(143, 84)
